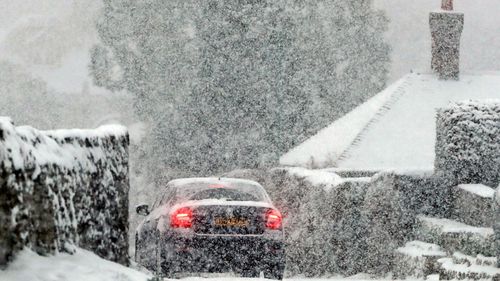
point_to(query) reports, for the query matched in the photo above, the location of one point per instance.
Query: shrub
(61, 189)
(468, 142)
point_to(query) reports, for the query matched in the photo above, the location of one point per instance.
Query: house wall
(61, 189)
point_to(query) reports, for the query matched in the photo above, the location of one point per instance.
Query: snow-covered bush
(383, 211)
(335, 225)
(391, 204)
(416, 259)
(468, 142)
(63, 188)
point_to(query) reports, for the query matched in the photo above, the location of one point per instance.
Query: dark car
(211, 225)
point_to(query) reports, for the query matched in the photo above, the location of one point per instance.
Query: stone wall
(61, 189)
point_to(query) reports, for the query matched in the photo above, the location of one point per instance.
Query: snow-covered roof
(395, 128)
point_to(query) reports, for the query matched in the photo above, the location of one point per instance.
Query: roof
(394, 129)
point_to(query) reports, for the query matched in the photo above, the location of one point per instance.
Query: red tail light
(273, 219)
(182, 218)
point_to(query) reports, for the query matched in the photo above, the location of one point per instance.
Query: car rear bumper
(220, 253)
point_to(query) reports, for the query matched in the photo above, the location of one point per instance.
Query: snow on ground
(394, 129)
(230, 278)
(86, 266)
(233, 278)
(82, 266)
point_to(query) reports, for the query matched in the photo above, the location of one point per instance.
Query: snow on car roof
(219, 202)
(211, 180)
(394, 129)
(186, 187)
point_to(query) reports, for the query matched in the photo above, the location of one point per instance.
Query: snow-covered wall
(63, 188)
(468, 142)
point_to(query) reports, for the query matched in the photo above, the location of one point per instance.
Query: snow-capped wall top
(25, 147)
(418, 249)
(102, 131)
(318, 177)
(497, 196)
(394, 129)
(478, 189)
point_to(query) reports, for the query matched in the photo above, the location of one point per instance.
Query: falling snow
(381, 166)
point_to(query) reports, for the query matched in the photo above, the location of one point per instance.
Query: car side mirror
(142, 209)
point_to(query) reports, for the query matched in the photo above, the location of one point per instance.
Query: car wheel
(137, 256)
(164, 266)
(274, 272)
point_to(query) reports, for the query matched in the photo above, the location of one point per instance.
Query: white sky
(408, 33)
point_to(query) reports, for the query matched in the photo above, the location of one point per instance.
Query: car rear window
(221, 191)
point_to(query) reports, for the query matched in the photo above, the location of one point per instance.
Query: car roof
(211, 180)
(186, 183)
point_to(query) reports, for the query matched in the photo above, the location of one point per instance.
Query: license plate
(231, 222)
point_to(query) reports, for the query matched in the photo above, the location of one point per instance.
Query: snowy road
(229, 278)
(86, 266)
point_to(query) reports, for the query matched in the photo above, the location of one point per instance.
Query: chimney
(446, 29)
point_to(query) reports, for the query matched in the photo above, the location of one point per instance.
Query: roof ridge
(395, 96)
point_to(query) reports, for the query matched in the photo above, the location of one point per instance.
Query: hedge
(62, 189)
(468, 142)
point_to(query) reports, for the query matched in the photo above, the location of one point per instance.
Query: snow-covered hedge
(323, 225)
(496, 225)
(391, 204)
(468, 142)
(336, 225)
(63, 188)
